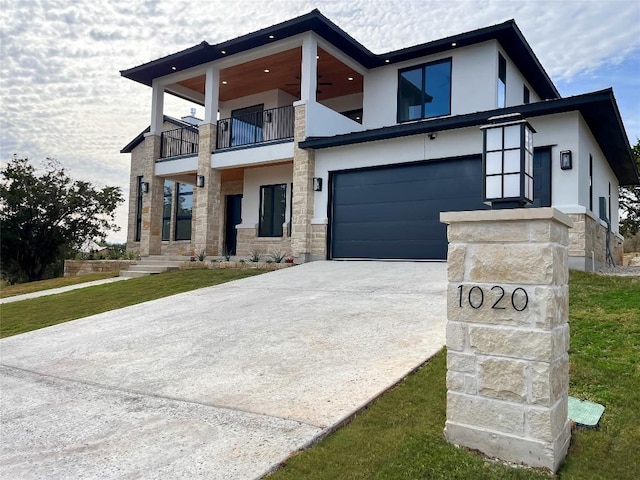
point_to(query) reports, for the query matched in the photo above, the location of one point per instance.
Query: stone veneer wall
(319, 242)
(248, 241)
(508, 334)
(77, 268)
(589, 235)
(207, 202)
(304, 165)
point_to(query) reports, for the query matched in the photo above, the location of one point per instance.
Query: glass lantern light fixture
(507, 161)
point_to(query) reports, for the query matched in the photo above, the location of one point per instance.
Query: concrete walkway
(223, 382)
(55, 291)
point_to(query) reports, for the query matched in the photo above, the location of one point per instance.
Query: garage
(393, 212)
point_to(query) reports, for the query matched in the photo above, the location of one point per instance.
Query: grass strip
(400, 436)
(27, 315)
(30, 287)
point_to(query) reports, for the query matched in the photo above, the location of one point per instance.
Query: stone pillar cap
(514, 214)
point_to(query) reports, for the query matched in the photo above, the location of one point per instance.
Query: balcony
(256, 128)
(179, 142)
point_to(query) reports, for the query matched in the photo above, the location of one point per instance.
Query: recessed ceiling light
(350, 79)
(271, 36)
(173, 68)
(224, 52)
(387, 61)
(317, 57)
(224, 82)
(266, 70)
(357, 118)
(454, 44)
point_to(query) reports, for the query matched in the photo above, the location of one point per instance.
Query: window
(502, 82)
(590, 182)
(139, 210)
(526, 95)
(425, 91)
(273, 201)
(166, 210)
(184, 205)
(246, 125)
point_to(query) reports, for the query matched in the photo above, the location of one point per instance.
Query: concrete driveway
(221, 383)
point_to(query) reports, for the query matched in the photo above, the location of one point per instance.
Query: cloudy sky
(62, 95)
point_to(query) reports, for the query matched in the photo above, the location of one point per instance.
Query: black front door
(234, 217)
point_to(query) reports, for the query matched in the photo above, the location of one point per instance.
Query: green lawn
(400, 435)
(22, 288)
(26, 315)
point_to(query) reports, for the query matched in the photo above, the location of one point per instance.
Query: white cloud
(63, 96)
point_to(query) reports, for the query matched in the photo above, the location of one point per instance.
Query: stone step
(152, 268)
(130, 274)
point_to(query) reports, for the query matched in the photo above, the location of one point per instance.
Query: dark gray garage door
(394, 212)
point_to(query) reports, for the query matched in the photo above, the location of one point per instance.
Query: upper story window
(502, 82)
(424, 91)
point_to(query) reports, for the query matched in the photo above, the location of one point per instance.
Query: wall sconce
(507, 161)
(317, 184)
(267, 117)
(200, 181)
(145, 187)
(565, 160)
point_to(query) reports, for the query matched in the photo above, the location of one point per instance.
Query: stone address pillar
(508, 334)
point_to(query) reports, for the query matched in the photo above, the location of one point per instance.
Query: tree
(630, 201)
(44, 215)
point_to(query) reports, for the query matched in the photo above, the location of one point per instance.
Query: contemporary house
(312, 145)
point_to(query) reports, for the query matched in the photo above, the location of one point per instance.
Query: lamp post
(507, 161)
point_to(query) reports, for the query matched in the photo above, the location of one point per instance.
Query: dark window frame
(166, 219)
(179, 218)
(502, 81)
(138, 233)
(423, 68)
(526, 95)
(591, 182)
(273, 228)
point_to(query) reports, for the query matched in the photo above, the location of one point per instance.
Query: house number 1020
(475, 298)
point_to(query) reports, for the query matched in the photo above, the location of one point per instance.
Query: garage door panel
(394, 211)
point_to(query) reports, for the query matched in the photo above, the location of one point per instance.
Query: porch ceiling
(284, 74)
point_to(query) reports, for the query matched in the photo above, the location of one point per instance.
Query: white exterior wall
(561, 132)
(253, 179)
(344, 103)
(473, 84)
(270, 99)
(567, 131)
(602, 175)
(321, 121)
(515, 83)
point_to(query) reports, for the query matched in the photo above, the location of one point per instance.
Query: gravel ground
(620, 271)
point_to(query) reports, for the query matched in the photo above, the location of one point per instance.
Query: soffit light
(266, 70)
(454, 44)
(224, 82)
(224, 52)
(174, 68)
(350, 79)
(271, 37)
(387, 60)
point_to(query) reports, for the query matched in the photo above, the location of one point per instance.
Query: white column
(309, 74)
(157, 109)
(211, 93)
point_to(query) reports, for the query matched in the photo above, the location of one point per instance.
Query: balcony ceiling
(284, 74)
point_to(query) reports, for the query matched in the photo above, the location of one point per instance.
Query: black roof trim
(140, 137)
(599, 110)
(507, 34)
